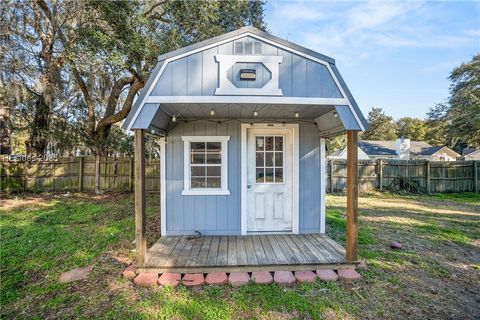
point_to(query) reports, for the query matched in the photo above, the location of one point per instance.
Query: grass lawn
(436, 275)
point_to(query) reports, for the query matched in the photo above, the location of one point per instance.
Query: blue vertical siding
(310, 179)
(221, 214)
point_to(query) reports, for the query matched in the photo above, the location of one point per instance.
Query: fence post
(380, 174)
(427, 170)
(331, 176)
(97, 173)
(130, 179)
(80, 174)
(25, 173)
(475, 176)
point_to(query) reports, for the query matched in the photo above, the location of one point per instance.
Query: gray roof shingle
(387, 148)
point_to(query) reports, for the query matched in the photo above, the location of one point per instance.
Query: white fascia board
(246, 99)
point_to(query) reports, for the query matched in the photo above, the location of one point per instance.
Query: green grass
(434, 274)
(470, 197)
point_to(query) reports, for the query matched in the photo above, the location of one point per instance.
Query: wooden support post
(80, 174)
(140, 214)
(475, 176)
(352, 196)
(380, 174)
(331, 176)
(427, 172)
(131, 175)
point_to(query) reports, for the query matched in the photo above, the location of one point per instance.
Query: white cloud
(351, 32)
(376, 14)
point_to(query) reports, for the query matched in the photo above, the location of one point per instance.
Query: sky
(394, 55)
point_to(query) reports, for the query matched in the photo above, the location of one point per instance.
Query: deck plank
(298, 254)
(213, 252)
(277, 249)
(184, 253)
(325, 241)
(267, 248)
(289, 254)
(311, 257)
(259, 252)
(192, 256)
(161, 250)
(314, 249)
(332, 243)
(203, 254)
(173, 256)
(241, 253)
(250, 251)
(331, 256)
(222, 255)
(232, 251)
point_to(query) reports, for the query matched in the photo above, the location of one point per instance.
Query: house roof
(335, 153)
(467, 151)
(433, 150)
(387, 148)
(249, 30)
(429, 150)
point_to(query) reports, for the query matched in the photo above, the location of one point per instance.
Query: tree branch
(76, 74)
(115, 94)
(127, 105)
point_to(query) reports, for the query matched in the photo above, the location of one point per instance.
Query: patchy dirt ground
(436, 275)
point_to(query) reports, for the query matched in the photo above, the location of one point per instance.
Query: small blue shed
(243, 119)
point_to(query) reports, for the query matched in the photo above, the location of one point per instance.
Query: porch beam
(352, 196)
(247, 99)
(140, 214)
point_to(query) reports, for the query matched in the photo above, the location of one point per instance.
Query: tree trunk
(5, 146)
(38, 139)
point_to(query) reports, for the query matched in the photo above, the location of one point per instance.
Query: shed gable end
(198, 74)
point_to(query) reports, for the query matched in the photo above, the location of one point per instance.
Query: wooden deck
(185, 254)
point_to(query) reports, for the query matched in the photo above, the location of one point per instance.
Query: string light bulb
(212, 112)
(174, 118)
(255, 113)
(297, 115)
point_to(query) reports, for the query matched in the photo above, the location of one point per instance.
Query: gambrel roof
(190, 75)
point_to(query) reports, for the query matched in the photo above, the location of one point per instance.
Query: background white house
(400, 149)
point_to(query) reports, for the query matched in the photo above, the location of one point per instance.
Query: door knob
(249, 186)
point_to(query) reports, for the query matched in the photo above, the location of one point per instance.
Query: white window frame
(187, 189)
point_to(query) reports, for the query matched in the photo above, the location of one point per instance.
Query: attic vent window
(248, 74)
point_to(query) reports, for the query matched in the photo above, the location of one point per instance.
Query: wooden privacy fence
(116, 174)
(430, 176)
(78, 173)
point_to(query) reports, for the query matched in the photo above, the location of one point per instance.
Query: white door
(269, 195)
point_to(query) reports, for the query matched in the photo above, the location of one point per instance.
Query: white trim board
(157, 76)
(187, 188)
(296, 171)
(247, 99)
(226, 87)
(323, 181)
(163, 188)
